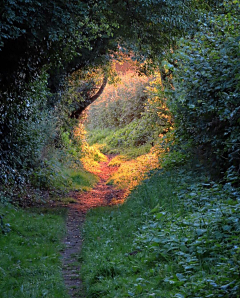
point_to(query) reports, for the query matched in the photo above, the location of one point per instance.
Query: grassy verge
(130, 173)
(77, 179)
(177, 235)
(117, 141)
(108, 251)
(30, 253)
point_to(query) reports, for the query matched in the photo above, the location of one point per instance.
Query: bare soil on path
(101, 195)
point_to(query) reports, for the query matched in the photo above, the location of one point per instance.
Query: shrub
(205, 101)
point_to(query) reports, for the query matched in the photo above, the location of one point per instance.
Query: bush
(27, 129)
(205, 101)
(37, 136)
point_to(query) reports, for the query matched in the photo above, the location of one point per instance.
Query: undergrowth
(131, 172)
(177, 235)
(77, 179)
(30, 248)
(117, 141)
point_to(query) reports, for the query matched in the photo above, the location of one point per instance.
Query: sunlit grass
(109, 143)
(80, 179)
(132, 172)
(92, 157)
(91, 154)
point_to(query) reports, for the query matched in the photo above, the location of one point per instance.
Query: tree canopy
(70, 34)
(42, 43)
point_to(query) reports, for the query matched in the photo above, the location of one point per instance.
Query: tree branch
(83, 105)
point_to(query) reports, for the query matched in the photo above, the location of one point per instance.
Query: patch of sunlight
(92, 156)
(133, 172)
(118, 160)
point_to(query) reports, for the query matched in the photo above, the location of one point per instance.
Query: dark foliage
(206, 99)
(59, 37)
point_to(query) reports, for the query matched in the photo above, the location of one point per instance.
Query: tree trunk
(83, 105)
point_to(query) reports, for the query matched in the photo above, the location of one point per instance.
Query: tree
(89, 100)
(59, 37)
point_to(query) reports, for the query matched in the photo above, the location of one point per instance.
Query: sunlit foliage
(132, 172)
(91, 156)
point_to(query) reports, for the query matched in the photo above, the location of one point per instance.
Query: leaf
(160, 215)
(200, 231)
(181, 277)
(155, 209)
(178, 295)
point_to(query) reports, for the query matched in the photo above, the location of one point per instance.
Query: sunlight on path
(131, 173)
(101, 195)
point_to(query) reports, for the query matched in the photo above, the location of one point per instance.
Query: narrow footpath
(101, 195)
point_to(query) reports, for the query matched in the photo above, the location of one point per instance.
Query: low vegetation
(178, 233)
(30, 252)
(175, 236)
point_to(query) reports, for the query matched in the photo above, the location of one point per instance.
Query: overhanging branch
(83, 105)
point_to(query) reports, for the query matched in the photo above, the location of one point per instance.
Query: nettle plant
(195, 251)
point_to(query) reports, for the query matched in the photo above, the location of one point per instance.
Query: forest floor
(101, 195)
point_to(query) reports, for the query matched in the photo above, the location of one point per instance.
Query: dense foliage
(205, 100)
(42, 42)
(176, 236)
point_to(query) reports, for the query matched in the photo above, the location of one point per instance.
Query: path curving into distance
(101, 195)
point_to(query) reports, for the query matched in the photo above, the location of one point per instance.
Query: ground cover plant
(30, 247)
(175, 236)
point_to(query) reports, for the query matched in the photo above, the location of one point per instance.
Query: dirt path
(100, 195)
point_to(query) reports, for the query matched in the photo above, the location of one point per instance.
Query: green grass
(117, 141)
(72, 179)
(80, 179)
(98, 135)
(30, 253)
(108, 267)
(63, 176)
(177, 235)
